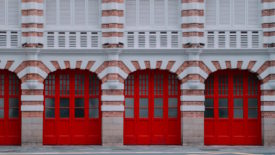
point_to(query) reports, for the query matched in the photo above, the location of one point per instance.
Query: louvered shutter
(224, 12)
(239, 6)
(253, 12)
(2, 12)
(79, 12)
(65, 12)
(210, 12)
(13, 12)
(93, 12)
(131, 12)
(51, 12)
(173, 12)
(144, 12)
(159, 12)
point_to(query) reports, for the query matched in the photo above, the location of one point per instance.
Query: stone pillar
(112, 102)
(112, 23)
(32, 23)
(192, 102)
(192, 23)
(268, 23)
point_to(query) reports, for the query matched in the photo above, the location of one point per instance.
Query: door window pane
(93, 108)
(1, 103)
(252, 103)
(129, 107)
(79, 107)
(252, 113)
(143, 108)
(50, 113)
(172, 107)
(64, 113)
(64, 102)
(238, 113)
(209, 102)
(1, 113)
(223, 111)
(79, 113)
(238, 102)
(79, 102)
(143, 84)
(209, 113)
(209, 108)
(13, 102)
(50, 102)
(238, 108)
(223, 85)
(158, 107)
(13, 113)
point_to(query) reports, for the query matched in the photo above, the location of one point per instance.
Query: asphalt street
(136, 150)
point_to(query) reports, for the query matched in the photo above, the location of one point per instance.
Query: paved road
(136, 150)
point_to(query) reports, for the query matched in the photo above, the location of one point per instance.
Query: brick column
(32, 23)
(112, 23)
(192, 23)
(112, 101)
(268, 23)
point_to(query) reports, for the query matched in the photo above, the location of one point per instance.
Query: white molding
(106, 86)
(194, 39)
(192, 108)
(268, 5)
(31, 6)
(39, 85)
(186, 85)
(32, 108)
(49, 65)
(112, 6)
(192, 6)
(32, 98)
(32, 39)
(192, 98)
(112, 69)
(267, 108)
(112, 98)
(268, 98)
(32, 69)
(192, 19)
(193, 70)
(112, 40)
(32, 19)
(268, 19)
(112, 19)
(112, 108)
(32, 29)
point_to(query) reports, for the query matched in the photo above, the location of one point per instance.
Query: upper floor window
(233, 13)
(156, 13)
(9, 13)
(77, 13)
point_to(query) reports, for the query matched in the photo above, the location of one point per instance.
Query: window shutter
(65, 12)
(253, 12)
(79, 12)
(224, 12)
(239, 6)
(2, 12)
(144, 12)
(93, 12)
(210, 12)
(13, 12)
(131, 12)
(159, 12)
(173, 12)
(51, 12)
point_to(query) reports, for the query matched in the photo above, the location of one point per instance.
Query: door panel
(72, 109)
(232, 109)
(152, 115)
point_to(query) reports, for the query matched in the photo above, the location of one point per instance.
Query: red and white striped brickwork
(112, 23)
(268, 23)
(192, 23)
(32, 23)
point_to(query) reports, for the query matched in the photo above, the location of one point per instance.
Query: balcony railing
(10, 39)
(152, 39)
(65, 40)
(233, 39)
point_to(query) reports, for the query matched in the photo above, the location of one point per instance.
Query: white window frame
(12, 27)
(152, 26)
(232, 26)
(73, 27)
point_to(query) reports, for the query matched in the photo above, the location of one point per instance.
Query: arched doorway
(72, 114)
(152, 108)
(10, 103)
(232, 109)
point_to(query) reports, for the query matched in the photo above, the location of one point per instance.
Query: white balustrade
(10, 39)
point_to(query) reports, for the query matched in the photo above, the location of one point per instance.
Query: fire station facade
(137, 72)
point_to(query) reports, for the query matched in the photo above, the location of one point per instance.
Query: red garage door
(232, 114)
(152, 114)
(72, 108)
(10, 116)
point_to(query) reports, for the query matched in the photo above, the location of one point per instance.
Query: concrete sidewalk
(162, 150)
